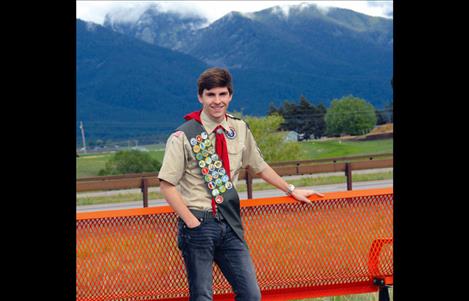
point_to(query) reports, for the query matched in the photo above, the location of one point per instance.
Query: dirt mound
(384, 128)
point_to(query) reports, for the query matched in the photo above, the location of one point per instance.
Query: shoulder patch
(178, 133)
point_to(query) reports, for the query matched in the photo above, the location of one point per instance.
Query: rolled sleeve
(252, 154)
(173, 165)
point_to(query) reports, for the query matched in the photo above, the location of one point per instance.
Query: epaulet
(236, 118)
(233, 117)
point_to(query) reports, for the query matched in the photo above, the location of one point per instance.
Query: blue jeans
(215, 241)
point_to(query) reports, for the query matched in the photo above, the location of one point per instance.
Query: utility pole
(83, 135)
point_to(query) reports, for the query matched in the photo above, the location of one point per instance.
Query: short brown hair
(214, 78)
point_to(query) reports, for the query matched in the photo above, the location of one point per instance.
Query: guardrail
(288, 168)
(339, 245)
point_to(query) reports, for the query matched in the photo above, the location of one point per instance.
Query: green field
(89, 165)
(336, 148)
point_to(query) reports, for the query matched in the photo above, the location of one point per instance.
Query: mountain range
(137, 79)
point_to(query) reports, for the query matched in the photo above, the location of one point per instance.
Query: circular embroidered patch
(219, 199)
(231, 134)
(217, 164)
(222, 189)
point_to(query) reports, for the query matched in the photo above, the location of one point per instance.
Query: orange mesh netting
(335, 246)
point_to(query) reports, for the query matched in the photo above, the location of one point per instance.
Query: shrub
(130, 161)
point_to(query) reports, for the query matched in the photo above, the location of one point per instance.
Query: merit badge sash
(211, 166)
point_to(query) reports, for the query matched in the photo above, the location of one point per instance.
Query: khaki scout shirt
(181, 167)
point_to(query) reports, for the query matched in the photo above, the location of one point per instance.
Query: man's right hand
(194, 222)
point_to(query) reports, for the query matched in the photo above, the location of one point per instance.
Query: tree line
(347, 115)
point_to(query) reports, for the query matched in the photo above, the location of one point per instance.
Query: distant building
(291, 136)
(140, 148)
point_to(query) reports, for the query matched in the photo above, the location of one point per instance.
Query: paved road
(243, 195)
(157, 189)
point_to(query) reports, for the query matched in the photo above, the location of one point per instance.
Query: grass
(89, 165)
(241, 187)
(337, 148)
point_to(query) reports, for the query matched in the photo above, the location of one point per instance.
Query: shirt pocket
(235, 152)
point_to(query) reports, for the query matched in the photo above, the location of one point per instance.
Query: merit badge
(215, 174)
(199, 138)
(204, 170)
(204, 135)
(228, 185)
(224, 178)
(214, 157)
(207, 143)
(208, 160)
(222, 171)
(210, 185)
(202, 145)
(231, 134)
(218, 182)
(199, 157)
(222, 188)
(217, 164)
(202, 163)
(205, 153)
(211, 167)
(211, 150)
(215, 192)
(193, 141)
(196, 149)
(219, 199)
(208, 178)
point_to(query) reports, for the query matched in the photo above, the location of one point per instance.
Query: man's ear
(199, 98)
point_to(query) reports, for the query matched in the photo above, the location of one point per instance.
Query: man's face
(215, 102)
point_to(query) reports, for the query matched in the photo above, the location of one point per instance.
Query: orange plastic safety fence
(334, 246)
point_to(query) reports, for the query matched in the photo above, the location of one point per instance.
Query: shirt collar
(210, 124)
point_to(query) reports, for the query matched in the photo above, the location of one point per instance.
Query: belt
(207, 214)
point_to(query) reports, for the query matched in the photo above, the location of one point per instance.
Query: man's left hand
(303, 194)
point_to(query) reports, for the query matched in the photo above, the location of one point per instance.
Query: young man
(204, 157)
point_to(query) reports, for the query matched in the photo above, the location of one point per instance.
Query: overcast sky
(96, 10)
